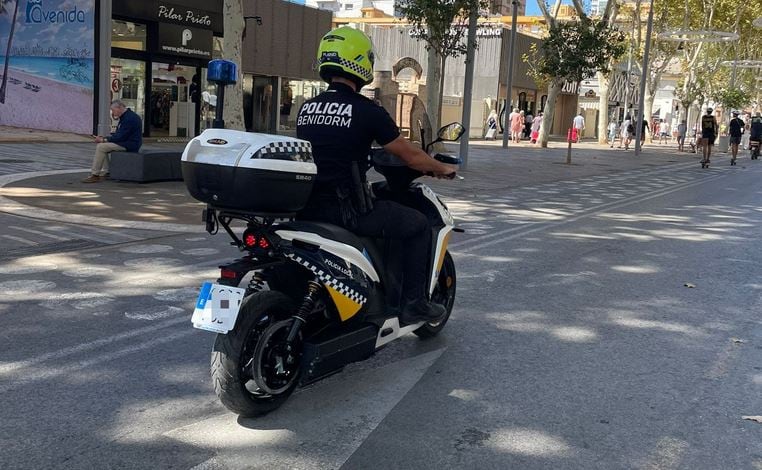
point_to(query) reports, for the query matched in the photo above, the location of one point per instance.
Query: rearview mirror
(451, 132)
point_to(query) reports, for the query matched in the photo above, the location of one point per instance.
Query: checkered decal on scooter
(336, 284)
(279, 150)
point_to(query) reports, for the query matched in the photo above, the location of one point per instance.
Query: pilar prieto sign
(184, 31)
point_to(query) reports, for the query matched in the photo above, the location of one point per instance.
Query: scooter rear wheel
(238, 357)
(444, 294)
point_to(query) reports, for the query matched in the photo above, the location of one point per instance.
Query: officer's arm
(417, 159)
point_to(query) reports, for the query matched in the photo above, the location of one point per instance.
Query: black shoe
(422, 310)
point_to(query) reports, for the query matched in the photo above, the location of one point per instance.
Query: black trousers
(391, 220)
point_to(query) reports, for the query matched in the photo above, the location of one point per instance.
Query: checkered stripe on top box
(302, 149)
(331, 281)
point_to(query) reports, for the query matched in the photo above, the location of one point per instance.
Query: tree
(441, 24)
(232, 44)
(572, 52)
(4, 11)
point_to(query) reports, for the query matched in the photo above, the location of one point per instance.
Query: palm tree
(4, 10)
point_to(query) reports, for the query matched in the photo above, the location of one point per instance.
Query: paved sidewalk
(60, 195)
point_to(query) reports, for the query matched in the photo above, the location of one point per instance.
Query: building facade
(157, 66)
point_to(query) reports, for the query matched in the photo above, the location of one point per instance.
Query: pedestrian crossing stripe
(347, 300)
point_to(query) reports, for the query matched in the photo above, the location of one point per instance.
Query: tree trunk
(433, 93)
(435, 127)
(8, 54)
(604, 86)
(550, 111)
(232, 45)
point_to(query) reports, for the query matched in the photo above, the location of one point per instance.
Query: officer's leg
(392, 220)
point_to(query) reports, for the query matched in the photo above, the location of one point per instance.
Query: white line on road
(49, 373)
(10, 367)
(600, 209)
(21, 240)
(39, 232)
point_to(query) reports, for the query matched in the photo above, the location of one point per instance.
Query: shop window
(293, 94)
(128, 35)
(128, 79)
(174, 93)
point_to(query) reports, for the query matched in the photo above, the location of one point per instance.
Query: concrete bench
(146, 166)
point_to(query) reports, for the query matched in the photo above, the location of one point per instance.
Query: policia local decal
(328, 114)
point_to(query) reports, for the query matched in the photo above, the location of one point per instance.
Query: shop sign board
(50, 79)
(205, 14)
(184, 15)
(175, 39)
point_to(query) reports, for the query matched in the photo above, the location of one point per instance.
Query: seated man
(127, 138)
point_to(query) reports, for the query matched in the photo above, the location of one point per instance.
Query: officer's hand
(446, 171)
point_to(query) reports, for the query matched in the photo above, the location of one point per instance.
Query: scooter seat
(325, 230)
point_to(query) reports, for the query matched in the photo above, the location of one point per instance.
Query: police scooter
(304, 299)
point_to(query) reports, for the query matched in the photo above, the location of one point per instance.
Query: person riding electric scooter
(755, 135)
(341, 126)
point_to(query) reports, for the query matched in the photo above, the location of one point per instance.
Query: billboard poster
(47, 68)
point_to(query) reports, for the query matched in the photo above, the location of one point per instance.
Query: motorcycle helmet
(346, 52)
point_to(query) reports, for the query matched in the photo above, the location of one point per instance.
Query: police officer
(341, 125)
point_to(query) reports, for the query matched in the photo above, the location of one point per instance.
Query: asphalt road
(601, 322)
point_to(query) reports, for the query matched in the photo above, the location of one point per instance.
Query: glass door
(128, 78)
(172, 104)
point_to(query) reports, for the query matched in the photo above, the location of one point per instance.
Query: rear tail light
(253, 240)
(226, 273)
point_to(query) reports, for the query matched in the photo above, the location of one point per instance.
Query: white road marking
(278, 439)
(10, 367)
(43, 373)
(587, 213)
(155, 313)
(40, 233)
(21, 240)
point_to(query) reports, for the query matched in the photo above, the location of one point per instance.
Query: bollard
(568, 150)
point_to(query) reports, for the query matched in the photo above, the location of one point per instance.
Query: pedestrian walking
(682, 128)
(528, 118)
(579, 126)
(128, 137)
(613, 131)
(643, 133)
(736, 128)
(628, 132)
(709, 130)
(664, 133)
(745, 137)
(517, 123)
(536, 124)
(491, 125)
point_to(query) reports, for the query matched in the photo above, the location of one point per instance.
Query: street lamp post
(104, 66)
(643, 78)
(508, 102)
(468, 85)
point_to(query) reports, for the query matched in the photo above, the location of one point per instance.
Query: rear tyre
(240, 355)
(444, 294)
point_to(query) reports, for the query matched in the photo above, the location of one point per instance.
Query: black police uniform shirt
(341, 125)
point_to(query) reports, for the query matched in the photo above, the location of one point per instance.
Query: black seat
(325, 230)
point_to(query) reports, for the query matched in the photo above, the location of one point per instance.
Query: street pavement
(606, 317)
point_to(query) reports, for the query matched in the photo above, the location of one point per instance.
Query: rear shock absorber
(308, 304)
(257, 283)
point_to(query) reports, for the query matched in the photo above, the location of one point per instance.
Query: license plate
(217, 307)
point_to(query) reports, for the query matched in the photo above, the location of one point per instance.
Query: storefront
(278, 63)
(159, 52)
